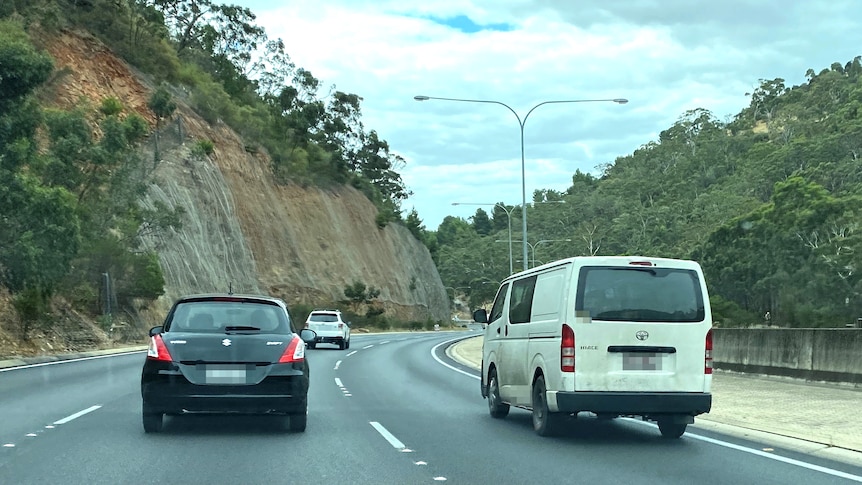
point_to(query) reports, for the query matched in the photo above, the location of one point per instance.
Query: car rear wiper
(241, 328)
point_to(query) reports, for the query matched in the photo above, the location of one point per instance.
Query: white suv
(330, 328)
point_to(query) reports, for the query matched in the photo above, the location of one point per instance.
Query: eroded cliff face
(302, 244)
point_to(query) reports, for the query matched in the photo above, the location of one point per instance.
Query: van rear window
(640, 294)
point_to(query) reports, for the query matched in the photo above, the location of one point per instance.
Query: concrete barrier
(822, 354)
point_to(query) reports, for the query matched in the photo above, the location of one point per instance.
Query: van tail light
(567, 350)
(295, 352)
(157, 350)
(707, 360)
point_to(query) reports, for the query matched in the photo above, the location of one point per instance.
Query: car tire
(297, 422)
(342, 344)
(496, 407)
(545, 423)
(671, 430)
(152, 420)
(347, 345)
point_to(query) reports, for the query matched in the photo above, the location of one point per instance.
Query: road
(391, 410)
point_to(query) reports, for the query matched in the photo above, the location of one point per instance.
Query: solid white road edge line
(761, 453)
(434, 354)
(77, 415)
(387, 435)
(79, 359)
(726, 444)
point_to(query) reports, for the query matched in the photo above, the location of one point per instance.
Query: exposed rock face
(302, 244)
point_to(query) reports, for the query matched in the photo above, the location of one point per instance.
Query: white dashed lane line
(77, 415)
(395, 442)
(58, 422)
(337, 364)
(351, 353)
(367, 347)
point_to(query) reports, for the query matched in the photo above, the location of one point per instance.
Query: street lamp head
(621, 101)
(421, 98)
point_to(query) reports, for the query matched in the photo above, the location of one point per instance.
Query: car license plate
(225, 374)
(641, 361)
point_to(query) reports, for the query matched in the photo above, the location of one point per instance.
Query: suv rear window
(640, 294)
(216, 316)
(323, 317)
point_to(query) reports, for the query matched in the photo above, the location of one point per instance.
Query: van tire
(545, 423)
(496, 406)
(671, 430)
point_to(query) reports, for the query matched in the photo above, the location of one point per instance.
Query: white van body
(614, 336)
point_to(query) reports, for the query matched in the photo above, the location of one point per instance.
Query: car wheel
(347, 345)
(297, 422)
(545, 423)
(671, 430)
(152, 420)
(342, 344)
(496, 406)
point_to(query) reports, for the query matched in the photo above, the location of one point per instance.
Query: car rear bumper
(324, 339)
(631, 403)
(171, 393)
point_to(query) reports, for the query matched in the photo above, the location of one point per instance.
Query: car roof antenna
(230, 288)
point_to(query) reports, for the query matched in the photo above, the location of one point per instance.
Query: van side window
(522, 300)
(497, 309)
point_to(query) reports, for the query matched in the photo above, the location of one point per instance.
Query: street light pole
(521, 123)
(533, 246)
(508, 217)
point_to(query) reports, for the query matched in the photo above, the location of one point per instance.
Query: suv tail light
(340, 326)
(567, 350)
(707, 358)
(295, 352)
(157, 350)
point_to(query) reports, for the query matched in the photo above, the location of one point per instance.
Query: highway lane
(384, 411)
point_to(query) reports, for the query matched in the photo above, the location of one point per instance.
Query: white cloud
(665, 56)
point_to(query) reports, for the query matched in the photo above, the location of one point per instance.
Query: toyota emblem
(642, 335)
(226, 342)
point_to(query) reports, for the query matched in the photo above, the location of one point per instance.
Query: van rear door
(641, 326)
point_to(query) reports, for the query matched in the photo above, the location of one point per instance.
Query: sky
(664, 56)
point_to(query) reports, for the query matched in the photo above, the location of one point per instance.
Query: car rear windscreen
(218, 316)
(639, 294)
(323, 317)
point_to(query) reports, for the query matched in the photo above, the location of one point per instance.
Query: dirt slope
(302, 244)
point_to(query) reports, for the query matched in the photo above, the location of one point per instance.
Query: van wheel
(545, 423)
(671, 430)
(496, 406)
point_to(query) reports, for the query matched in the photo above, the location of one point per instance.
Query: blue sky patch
(465, 24)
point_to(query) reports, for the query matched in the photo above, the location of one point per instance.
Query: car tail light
(295, 352)
(157, 350)
(567, 350)
(707, 360)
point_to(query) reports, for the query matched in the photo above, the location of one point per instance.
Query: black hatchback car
(226, 353)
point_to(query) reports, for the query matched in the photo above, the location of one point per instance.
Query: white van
(614, 336)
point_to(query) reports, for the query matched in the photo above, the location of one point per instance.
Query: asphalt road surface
(393, 409)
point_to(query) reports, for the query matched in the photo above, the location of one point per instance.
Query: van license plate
(641, 361)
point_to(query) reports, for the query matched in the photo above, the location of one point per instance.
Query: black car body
(226, 353)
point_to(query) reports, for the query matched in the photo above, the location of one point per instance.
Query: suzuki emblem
(642, 335)
(226, 342)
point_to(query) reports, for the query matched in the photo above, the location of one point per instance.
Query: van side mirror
(480, 316)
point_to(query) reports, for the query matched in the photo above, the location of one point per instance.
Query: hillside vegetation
(128, 182)
(769, 202)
